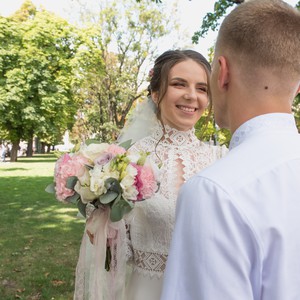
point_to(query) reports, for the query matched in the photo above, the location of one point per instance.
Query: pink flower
(65, 167)
(115, 150)
(145, 182)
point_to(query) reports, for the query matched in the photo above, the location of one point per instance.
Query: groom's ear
(223, 78)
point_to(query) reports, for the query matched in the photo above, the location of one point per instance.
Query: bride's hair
(147, 114)
(162, 66)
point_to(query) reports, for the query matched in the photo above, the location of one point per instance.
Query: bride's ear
(154, 97)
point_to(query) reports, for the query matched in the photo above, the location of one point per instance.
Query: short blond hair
(263, 33)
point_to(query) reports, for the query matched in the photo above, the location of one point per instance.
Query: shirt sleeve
(213, 252)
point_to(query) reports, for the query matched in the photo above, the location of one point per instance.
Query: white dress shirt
(237, 232)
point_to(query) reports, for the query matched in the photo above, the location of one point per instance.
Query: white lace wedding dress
(180, 155)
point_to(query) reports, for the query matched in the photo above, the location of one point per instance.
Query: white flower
(85, 177)
(97, 180)
(85, 193)
(92, 151)
(129, 190)
(130, 193)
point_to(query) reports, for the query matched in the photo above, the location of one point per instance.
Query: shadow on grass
(37, 158)
(13, 169)
(40, 239)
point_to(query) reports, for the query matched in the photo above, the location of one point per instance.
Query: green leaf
(81, 207)
(126, 145)
(74, 198)
(71, 182)
(108, 197)
(50, 188)
(119, 208)
(112, 184)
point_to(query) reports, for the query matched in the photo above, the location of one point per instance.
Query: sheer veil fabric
(141, 123)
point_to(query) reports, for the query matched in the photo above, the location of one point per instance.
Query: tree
(122, 38)
(36, 96)
(211, 20)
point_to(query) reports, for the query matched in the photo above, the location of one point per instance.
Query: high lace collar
(172, 136)
(281, 121)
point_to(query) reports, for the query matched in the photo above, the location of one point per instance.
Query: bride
(180, 93)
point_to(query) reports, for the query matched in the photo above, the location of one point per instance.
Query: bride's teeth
(187, 109)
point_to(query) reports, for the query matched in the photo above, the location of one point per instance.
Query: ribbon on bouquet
(100, 284)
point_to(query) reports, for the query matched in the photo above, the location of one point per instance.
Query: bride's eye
(202, 89)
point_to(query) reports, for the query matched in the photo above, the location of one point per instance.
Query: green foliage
(208, 131)
(36, 75)
(211, 20)
(111, 65)
(296, 110)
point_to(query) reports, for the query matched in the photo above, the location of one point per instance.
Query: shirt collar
(272, 120)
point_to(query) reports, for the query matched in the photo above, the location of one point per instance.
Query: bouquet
(104, 175)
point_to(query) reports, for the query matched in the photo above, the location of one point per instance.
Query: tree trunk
(29, 151)
(48, 148)
(43, 145)
(14, 151)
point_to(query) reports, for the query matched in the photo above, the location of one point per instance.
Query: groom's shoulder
(250, 159)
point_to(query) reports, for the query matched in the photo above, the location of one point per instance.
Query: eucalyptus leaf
(71, 182)
(113, 185)
(108, 197)
(74, 198)
(126, 145)
(120, 208)
(50, 188)
(81, 207)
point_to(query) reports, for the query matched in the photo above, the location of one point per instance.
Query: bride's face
(186, 97)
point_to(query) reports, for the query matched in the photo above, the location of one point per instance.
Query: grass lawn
(39, 236)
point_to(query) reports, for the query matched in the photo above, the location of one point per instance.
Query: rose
(82, 187)
(92, 151)
(103, 159)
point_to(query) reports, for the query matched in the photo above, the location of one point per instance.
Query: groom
(237, 233)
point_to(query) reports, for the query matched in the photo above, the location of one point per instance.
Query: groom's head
(257, 56)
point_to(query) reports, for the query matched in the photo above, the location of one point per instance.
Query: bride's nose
(190, 94)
